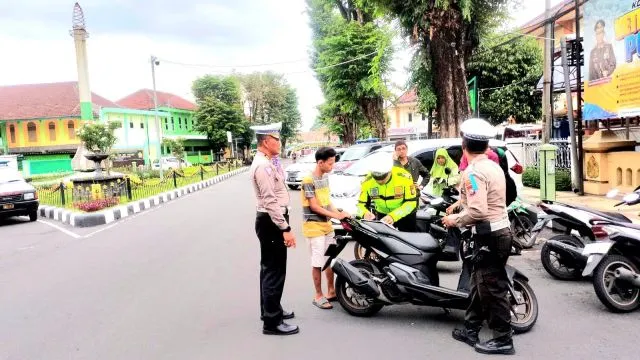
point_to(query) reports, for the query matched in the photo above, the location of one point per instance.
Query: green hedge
(531, 178)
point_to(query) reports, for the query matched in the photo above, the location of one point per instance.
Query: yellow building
(39, 122)
(405, 122)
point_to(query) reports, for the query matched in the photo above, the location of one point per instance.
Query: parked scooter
(521, 223)
(614, 263)
(561, 255)
(404, 271)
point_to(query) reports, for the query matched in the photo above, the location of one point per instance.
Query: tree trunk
(372, 108)
(348, 129)
(449, 71)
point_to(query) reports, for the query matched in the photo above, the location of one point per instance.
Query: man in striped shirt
(317, 211)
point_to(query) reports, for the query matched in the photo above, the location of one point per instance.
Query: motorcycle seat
(617, 216)
(422, 241)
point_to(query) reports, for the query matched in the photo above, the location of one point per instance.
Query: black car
(17, 197)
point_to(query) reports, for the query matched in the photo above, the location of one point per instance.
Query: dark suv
(17, 197)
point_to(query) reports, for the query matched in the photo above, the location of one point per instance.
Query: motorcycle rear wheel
(351, 300)
(549, 260)
(522, 322)
(617, 295)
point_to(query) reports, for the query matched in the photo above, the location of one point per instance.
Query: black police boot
(468, 336)
(286, 315)
(282, 329)
(500, 345)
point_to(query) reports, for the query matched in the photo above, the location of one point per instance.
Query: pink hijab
(490, 153)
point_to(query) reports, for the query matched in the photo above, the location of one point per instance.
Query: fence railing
(530, 153)
(134, 186)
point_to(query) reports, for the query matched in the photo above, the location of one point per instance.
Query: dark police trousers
(489, 285)
(273, 268)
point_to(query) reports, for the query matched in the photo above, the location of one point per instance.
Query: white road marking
(70, 233)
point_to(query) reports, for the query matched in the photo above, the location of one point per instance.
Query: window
(71, 129)
(12, 133)
(179, 123)
(141, 124)
(130, 124)
(424, 117)
(52, 131)
(32, 133)
(410, 117)
(173, 125)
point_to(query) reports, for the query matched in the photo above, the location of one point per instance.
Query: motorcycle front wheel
(523, 316)
(521, 228)
(617, 295)
(351, 300)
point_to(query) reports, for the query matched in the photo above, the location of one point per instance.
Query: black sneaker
(470, 337)
(502, 345)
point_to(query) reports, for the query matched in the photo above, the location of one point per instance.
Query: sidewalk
(601, 203)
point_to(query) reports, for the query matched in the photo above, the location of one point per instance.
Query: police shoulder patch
(471, 184)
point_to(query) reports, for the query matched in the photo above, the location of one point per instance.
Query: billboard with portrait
(611, 62)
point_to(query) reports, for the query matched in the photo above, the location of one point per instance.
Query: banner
(611, 62)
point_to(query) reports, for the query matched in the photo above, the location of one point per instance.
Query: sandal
(322, 303)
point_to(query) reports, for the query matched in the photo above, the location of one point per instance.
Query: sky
(190, 37)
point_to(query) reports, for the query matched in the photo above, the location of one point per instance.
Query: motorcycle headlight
(29, 196)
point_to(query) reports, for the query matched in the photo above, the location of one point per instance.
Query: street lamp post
(154, 62)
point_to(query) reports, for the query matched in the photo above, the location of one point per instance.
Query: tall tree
(351, 55)
(446, 32)
(220, 110)
(268, 99)
(507, 75)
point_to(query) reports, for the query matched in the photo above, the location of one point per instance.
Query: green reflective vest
(397, 198)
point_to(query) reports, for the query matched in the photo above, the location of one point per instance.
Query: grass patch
(143, 185)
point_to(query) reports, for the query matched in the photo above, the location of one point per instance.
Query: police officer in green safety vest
(389, 194)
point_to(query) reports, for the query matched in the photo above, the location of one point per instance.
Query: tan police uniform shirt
(483, 193)
(271, 193)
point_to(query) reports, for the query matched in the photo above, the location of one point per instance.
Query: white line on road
(70, 233)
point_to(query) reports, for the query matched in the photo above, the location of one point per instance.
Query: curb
(103, 217)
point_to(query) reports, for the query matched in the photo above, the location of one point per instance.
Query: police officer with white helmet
(483, 194)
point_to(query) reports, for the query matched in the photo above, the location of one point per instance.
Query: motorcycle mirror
(629, 198)
(447, 171)
(612, 193)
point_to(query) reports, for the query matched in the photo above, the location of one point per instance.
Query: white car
(295, 172)
(169, 163)
(345, 187)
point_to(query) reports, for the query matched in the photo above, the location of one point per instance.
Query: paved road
(181, 282)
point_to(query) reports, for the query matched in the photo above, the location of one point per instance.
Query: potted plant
(98, 138)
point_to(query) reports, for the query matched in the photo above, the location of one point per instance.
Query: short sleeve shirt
(313, 224)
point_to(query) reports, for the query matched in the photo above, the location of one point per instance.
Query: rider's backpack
(512, 190)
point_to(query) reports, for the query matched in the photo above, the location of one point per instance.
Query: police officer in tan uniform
(484, 209)
(273, 230)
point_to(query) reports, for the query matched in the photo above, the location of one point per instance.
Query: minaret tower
(80, 35)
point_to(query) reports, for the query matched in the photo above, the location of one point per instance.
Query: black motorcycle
(404, 270)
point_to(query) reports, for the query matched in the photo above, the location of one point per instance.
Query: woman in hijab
(439, 178)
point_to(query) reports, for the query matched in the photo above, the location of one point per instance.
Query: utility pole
(580, 161)
(575, 179)
(154, 62)
(547, 86)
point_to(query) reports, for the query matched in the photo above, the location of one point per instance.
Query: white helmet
(381, 168)
(477, 129)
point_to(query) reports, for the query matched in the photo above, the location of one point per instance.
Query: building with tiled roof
(143, 100)
(176, 116)
(405, 122)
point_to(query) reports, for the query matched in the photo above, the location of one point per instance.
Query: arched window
(71, 128)
(32, 133)
(12, 133)
(52, 131)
